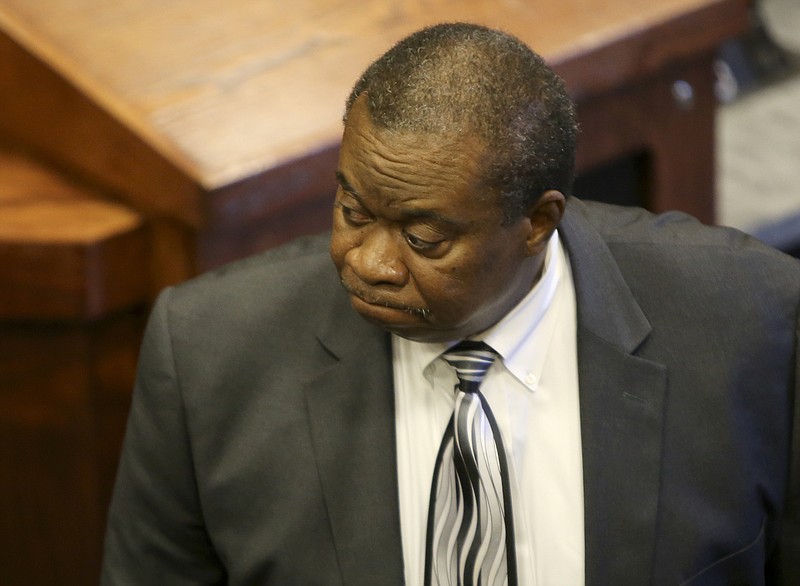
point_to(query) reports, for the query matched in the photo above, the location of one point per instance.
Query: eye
(353, 216)
(420, 244)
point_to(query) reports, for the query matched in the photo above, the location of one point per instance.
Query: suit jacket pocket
(744, 567)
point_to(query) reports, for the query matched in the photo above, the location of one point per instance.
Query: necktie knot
(471, 360)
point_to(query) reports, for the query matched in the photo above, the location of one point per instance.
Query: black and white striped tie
(470, 528)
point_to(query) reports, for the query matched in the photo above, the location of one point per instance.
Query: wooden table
(211, 128)
(220, 120)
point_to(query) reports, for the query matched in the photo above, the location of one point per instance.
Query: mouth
(374, 307)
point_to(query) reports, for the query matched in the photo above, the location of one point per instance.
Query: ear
(545, 215)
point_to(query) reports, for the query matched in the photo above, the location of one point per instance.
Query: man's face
(421, 250)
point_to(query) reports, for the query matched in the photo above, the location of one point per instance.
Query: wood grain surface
(65, 253)
(224, 90)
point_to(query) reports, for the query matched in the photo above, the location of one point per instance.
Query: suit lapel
(351, 414)
(622, 401)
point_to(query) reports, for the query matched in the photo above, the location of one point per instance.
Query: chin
(411, 327)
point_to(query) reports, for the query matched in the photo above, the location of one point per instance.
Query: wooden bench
(74, 272)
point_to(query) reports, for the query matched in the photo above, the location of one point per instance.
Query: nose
(376, 260)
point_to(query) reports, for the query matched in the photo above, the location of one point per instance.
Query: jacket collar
(350, 403)
(622, 399)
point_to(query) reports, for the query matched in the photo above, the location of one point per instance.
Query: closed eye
(420, 244)
(353, 216)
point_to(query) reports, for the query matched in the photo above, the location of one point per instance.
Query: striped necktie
(470, 530)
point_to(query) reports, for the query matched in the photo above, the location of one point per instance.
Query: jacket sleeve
(155, 532)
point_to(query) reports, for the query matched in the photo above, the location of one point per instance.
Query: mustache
(373, 299)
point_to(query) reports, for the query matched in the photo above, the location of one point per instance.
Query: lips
(374, 300)
(377, 307)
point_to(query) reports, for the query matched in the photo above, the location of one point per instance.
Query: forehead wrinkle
(437, 218)
(461, 151)
(440, 167)
(404, 167)
(419, 175)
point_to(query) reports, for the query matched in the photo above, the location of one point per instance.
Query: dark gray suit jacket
(261, 443)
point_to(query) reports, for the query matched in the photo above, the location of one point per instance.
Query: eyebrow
(409, 214)
(346, 185)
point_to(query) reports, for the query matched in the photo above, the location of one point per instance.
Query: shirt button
(531, 380)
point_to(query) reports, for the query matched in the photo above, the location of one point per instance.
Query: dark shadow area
(620, 182)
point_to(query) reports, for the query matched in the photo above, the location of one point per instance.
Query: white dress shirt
(533, 393)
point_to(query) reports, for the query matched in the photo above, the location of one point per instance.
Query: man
(287, 420)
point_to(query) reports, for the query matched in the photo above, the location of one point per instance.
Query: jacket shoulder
(676, 239)
(291, 282)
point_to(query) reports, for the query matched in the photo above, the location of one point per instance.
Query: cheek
(339, 246)
(446, 290)
(467, 286)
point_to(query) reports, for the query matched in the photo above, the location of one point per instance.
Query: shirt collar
(513, 335)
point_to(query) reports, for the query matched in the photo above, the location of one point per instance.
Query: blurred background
(759, 129)
(147, 141)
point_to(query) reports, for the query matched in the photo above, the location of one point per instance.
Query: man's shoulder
(631, 231)
(289, 257)
(673, 256)
(279, 280)
(635, 225)
(297, 258)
